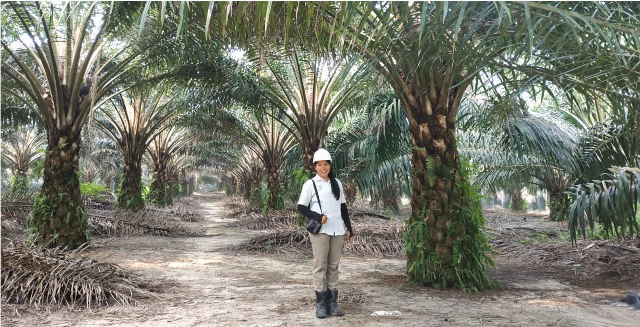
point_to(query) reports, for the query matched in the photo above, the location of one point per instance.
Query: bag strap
(317, 196)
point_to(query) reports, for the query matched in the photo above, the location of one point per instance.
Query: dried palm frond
(380, 240)
(129, 223)
(15, 208)
(185, 208)
(291, 238)
(602, 259)
(236, 206)
(352, 298)
(37, 276)
(98, 204)
(275, 220)
(103, 225)
(371, 240)
(179, 213)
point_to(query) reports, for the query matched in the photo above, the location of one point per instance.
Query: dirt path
(217, 288)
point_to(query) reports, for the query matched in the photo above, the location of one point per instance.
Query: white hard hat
(321, 154)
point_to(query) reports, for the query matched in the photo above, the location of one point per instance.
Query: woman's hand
(349, 237)
(324, 219)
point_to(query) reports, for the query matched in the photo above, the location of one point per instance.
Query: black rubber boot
(332, 303)
(321, 305)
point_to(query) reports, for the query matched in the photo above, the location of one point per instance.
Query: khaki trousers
(326, 259)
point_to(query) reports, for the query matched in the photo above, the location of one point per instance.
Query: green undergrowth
(93, 190)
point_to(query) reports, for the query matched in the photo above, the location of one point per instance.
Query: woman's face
(323, 168)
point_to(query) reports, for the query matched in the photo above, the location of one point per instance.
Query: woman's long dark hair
(335, 189)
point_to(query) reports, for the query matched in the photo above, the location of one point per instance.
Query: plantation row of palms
(537, 96)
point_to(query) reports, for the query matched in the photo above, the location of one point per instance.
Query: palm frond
(612, 201)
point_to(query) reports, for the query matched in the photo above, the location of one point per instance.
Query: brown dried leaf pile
(275, 220)
(41, 277)
(144, 222)
(15, 209)
(589, 260)
(370, 240)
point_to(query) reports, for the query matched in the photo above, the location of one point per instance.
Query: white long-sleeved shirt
(330, 206)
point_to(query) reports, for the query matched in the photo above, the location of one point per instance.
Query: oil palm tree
(514, 147)
(308, 91)
(62, 58)
(163, 148)
(249, 174)
(177, 176)
(22, 149)
(554, 153)
(132, 120)
(100, 159)
(271, 142)
(432, 53)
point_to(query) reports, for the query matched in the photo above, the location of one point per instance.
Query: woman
(327, 244)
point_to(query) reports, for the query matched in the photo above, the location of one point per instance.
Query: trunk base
(58, 217)
(445, 244)
(558, 206)
(158, 193)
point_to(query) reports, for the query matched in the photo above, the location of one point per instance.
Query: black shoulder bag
(313, 226)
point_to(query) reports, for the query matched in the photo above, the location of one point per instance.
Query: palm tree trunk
(307, 160)
(130, 193)
(227, 184)
(185, 187)
(158, 190)
(435, 164)
(517, 202)
(193, 184)
(273, 181)
(350, 192)
(172, 190)
(390, 199)
(309, 148)
(239, 188)
(58, 217)
(255, 192)
(446, 216)
(558, 205)
(246, 188)
(20, 182)
(559, 202)
(89, 176)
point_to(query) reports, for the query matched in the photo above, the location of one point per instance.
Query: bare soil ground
(208, 285)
